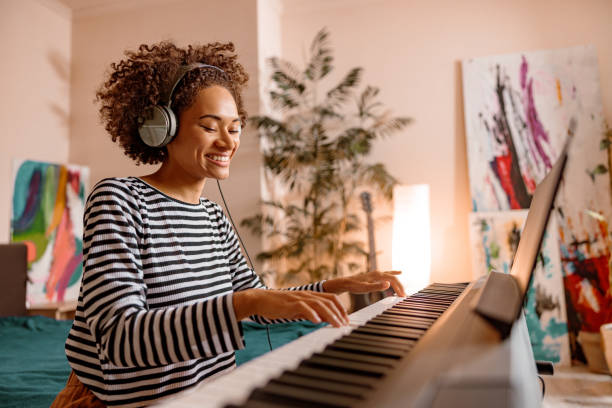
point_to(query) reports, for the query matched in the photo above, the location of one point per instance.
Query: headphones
(159, 123)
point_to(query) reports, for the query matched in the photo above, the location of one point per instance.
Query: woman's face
(208, 135)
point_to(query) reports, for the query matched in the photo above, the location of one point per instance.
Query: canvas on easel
(518, 110)
(47, 216)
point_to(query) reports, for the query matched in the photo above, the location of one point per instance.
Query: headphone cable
(245, 251)
(234, 225)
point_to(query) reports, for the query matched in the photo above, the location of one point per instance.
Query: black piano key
(369, 350)
(406, 323)
(291, 396)
(420, 322)
(335, 376)
(382, 341)
(349, 390)
(256, 404)
(399, 330)
(421, 306)
(410, 309)
(352, 355)
(411, 313)
(427, 301)
(388, 333)
(353, 367)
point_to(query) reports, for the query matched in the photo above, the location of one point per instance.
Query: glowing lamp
(411, 247)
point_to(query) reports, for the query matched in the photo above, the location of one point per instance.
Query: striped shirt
(155, 313)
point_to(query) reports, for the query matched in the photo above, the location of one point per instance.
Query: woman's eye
(234, 131)
(206, 128)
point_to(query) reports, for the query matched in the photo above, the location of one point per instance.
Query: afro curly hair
(145, 77)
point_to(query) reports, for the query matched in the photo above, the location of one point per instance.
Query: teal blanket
(34, 367)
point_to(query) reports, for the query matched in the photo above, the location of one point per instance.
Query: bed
(34, 367)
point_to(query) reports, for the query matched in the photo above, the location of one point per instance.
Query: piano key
(294, 379)
(406, 319)
(335, 376)
(296, 396)
(367, 349)
(417, 312)
(406, 323)
(359, 357)
(395, 333)
(353, 367)
(380, 341)
(310, 361)
(429, 306)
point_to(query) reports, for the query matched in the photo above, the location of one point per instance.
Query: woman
(164, 283)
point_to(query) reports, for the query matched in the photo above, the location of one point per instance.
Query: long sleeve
(128, 331)
(244, 277)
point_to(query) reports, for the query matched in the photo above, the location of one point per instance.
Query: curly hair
(145, 77)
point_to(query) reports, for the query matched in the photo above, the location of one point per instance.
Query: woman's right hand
(290, 304)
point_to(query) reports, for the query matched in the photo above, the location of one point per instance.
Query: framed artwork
(47, 215)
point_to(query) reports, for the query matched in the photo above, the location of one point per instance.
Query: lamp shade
(411, 246)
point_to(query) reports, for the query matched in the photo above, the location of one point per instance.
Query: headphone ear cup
(172, 125)
(156, 125)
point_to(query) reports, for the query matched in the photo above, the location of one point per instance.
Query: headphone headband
(159, 122)
(183, 70)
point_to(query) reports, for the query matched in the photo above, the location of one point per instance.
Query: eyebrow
(218, 118)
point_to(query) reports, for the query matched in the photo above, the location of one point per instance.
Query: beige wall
(100, 36)
(411, 50)
(34, 78)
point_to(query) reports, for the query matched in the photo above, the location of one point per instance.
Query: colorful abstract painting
(47, 215)
(518, 110)
(494, 238)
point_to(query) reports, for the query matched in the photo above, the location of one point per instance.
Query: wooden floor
(577, 387)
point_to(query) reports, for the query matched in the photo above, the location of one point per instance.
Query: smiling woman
(164, 283)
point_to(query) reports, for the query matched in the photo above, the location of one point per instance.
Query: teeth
(218, 158)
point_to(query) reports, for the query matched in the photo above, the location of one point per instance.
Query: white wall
(100, 36)
(411, 49)
(35, 82)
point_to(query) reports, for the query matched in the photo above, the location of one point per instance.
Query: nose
(226, 140)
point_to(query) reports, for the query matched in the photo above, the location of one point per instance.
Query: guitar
(366, 203)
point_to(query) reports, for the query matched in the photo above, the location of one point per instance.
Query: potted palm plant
(315, 152)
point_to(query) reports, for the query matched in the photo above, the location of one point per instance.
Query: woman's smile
(222, 160)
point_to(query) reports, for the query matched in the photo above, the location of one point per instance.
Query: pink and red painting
(47, 215)
(518, 111)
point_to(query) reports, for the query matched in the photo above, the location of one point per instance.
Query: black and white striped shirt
(155, 312)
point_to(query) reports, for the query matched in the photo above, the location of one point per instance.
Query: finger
(307, 312)
(338, 305)
(337, 310)
(327, 313)
(397, 286)
(367, 287)
(394, 272)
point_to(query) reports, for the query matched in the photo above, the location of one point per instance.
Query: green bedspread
(34, 367)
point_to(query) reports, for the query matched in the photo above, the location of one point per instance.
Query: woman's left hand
(365, 283)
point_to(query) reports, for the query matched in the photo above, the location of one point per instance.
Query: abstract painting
(518, 111)
(47, 216)
(494, 238)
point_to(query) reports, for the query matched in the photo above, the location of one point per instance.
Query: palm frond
(321, 59)
(385, 126)
(366, 104)
(341, 92)
(376, 175)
